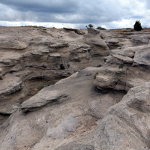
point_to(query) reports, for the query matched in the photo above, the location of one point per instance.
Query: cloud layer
(78, 13)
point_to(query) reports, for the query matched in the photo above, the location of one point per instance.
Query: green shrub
(101, 28)
(137, 26)
(90, 26)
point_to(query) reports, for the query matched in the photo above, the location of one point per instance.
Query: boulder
(110, 78)
(98, 42)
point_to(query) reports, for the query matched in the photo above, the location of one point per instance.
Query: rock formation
(70, 89)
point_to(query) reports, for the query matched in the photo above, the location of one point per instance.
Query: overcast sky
(75, 13)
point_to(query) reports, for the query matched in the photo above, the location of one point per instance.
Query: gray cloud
(73, 11)
(52, 6)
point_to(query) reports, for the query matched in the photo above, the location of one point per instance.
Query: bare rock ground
(69, 89)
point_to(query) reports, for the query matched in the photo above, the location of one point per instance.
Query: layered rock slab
(43, 98)
(9, 85)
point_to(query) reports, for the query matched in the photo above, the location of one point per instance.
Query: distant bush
(90, 26)
(101, 28)
(137, 26)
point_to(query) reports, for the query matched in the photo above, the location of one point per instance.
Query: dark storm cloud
(71, 11)
(52, 6)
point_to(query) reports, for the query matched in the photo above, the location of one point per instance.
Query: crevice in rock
(109, 90)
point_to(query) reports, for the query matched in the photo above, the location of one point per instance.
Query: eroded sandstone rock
(110, 78)
(10, 85)
(142, 57)
(43, 98)
(127, 123)
(74, 146)
(101, 107)
(10, 43)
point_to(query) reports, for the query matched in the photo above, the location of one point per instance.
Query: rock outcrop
(70, 89)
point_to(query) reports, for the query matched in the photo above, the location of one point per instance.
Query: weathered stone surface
(113, 43)
(64, 129)
(80, 52)
(43, 98)
(74, 146)
(142, 57)
(125, 59)
(69, 118)
(93, 31)
(103, 105)
(128, 52)
(110, 78)
(127, 123)
(140, 39)
(97, 42)
(10, 43)
(116, 78)
(10, 85)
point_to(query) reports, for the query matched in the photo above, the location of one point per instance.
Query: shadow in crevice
(109, 90)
